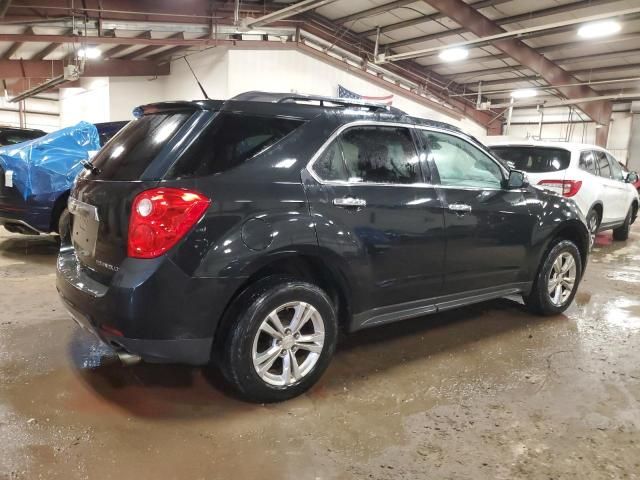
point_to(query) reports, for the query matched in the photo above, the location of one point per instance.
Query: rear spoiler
(175, 107)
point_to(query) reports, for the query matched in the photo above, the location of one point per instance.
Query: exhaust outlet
(128, 359)
(125, 357)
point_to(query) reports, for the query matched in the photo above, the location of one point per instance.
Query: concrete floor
(483, 392)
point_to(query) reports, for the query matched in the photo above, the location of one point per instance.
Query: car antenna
(196, 77)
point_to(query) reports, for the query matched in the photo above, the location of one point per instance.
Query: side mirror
(517, 179)
(632, 177)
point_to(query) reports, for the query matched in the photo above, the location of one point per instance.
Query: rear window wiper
(91, 167)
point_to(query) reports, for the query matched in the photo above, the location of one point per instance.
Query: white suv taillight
(160, 217)
(566, 188)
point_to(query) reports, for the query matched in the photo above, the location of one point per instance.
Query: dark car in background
(247, 232)
(13, 135)
(45, 211)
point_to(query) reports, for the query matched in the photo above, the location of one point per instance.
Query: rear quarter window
(231, 140)
(534, 159)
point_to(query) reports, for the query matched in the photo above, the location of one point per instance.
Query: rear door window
(603, 164)
(380, 155)
(330, 166)
(588, 162)
(534, 159)
(231, 140)
(134, 147)
(616, 169)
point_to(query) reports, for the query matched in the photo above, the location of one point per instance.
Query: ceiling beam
(535, 14)
(4, 6)
(462, 76)
(26, 37)
(104, 68)
(575, 73)
(113, 51)
(16, 46)
(427, 18)
(482, 26)
(284, 13)
(49, 49)
(546, 49)
(148, 49)
(371, 12)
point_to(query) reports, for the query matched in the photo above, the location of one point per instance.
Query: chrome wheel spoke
(286, 369)
(276, 340)
(312, 347)
(267, 328)
(557, 295)
(562, 278)
(275, 320)
(295, 368)
(266, 359)
(302, 315)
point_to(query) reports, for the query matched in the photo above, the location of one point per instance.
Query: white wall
(127, 93)
(294, 71)
(89, 102)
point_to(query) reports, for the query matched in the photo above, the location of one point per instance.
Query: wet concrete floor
(485, 392)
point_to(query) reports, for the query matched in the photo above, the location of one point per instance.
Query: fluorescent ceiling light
(599, 29)
(89, 53)
(454, 54)
(524, 93)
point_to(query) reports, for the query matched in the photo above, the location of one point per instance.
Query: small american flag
(345, 93)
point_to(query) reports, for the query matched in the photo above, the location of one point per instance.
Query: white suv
(588, 174)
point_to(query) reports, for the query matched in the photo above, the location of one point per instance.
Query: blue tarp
(49, 164)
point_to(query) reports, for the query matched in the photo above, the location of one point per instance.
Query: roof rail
(324, 101)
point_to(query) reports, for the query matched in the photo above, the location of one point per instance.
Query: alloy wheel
(288, 343)
(562, 278)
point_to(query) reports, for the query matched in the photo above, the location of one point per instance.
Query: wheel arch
(575, 231)
(322, 268)
(58, 207)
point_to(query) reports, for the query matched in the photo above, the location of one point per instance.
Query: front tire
(281, 335)
(64, 227)
(557, 280)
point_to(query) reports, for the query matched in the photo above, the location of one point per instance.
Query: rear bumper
(150, 308)
(25, 217)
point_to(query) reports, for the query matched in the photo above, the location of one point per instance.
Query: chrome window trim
(373, 123)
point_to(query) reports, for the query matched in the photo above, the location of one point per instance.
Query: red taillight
(567, 188)
(160, 217)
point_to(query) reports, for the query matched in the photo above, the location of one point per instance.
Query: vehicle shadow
(40, 249)
(170, 391)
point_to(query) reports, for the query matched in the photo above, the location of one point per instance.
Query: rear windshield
(534, 159)
(231, 140)
(12, 138)
(134, 147)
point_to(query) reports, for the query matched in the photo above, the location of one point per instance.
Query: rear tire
(622, 233)
(267, 359)
(550, 294)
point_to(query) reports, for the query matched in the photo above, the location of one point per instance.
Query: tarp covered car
(35, 177)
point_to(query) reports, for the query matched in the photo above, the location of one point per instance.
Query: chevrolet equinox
(246, 233)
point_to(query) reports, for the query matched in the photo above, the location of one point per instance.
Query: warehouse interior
(485, 391)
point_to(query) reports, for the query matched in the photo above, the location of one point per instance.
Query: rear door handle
(350, 202)
(460, 208)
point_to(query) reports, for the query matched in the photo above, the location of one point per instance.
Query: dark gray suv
(247, 232)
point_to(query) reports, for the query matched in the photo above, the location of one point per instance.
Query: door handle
(460, 208)
(350, 202)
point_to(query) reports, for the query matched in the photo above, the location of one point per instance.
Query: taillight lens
(566, 188)
(160, 217)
